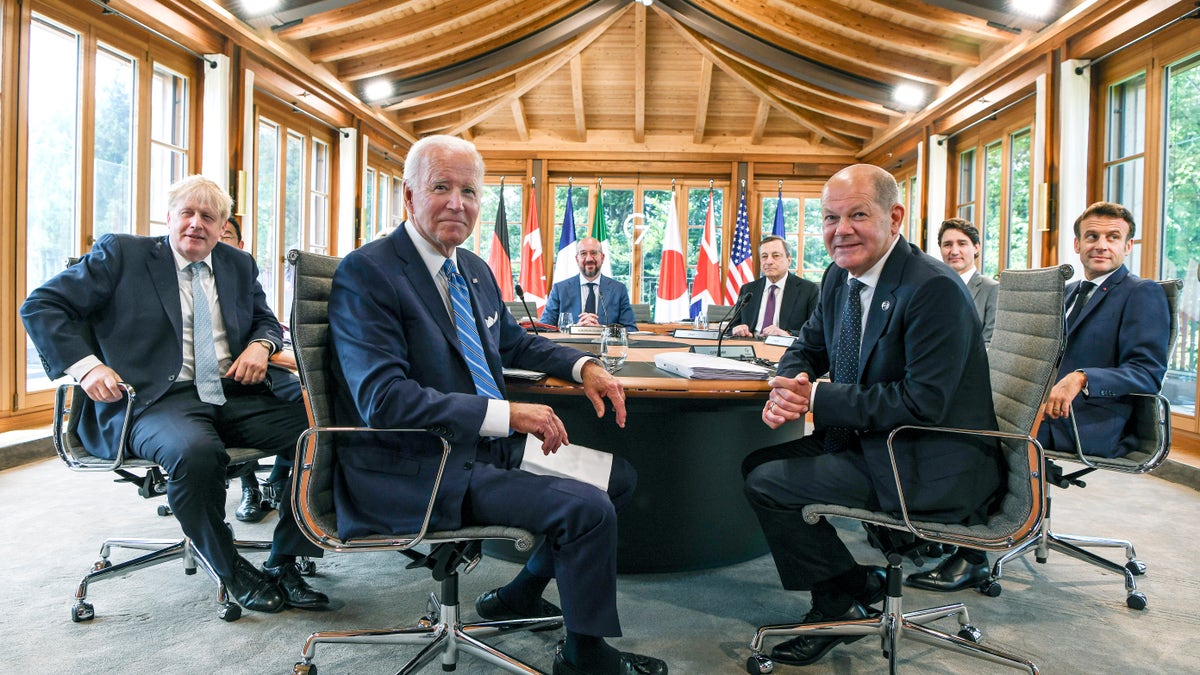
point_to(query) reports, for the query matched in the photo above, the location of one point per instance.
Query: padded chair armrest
(974, 536)
(1142, 460)
(300, 491)
(68, 402)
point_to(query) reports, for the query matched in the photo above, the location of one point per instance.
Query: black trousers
(782, 479)
(188, 437)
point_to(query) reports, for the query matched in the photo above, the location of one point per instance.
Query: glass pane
(266, 209)
(1123, 184)
(293, 211)
(1181, 231)
(1127, 118)
(655, 204)
(816, 257)
(791, 222)
(992, 170)
(116, 81)
(168, 141)
(368, 230)
(318, 217)
(966, 177)
(618, 205)
(52, 172)
(912, 212)
(1018, 200)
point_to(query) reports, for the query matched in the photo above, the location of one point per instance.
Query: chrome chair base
(160, 551)
(439, 632)
(892, 626)
(1074, 546)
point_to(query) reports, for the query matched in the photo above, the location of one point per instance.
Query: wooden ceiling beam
(577, 98)
(548, 67)
(519, 120)
(639, 73)
(760, 121)
(706, 74)
(923, 12)
(351, 16)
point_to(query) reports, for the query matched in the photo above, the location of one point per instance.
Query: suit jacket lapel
(226, 284)
(883, 302)
(1098, 296)
(976, 285)
(413, 269)
(160, 264)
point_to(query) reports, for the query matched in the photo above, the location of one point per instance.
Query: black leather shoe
(631, 664)
(953, 574)
(253, 589)
(803, 650)
(296, 591)
(876, 588)
(490, 607)
(250, 510)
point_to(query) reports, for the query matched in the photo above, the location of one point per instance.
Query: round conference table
(687, 439)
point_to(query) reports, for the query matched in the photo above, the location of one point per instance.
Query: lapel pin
(885, 305)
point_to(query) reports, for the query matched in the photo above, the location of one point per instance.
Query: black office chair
(1023, 359)
(440, 632)
(642, 312)
(1151, 420)
(150, 481)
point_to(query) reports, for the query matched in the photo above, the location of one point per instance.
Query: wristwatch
(266, 343)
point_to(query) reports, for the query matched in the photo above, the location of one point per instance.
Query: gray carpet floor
(1064, 615)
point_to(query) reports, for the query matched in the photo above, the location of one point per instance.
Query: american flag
(741, 269)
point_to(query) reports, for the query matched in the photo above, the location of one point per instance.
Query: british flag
(741, 267)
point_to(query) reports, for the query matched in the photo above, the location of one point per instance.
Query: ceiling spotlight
(646, 2)
(378, 90)
(1038, 9)
(259, 7)
(909, 96)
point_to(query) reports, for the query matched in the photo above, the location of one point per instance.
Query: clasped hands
(588, 319)
(542, 423)
(789, 400)
(742, 330)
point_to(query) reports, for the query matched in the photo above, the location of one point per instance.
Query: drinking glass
(700, 322)
(565, 321)
(614, 347)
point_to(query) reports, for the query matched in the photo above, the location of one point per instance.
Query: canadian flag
(533, 273)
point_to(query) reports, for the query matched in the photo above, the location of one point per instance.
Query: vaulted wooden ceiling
(768, 76)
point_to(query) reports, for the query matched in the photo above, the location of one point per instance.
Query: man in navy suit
(1116, 346)
(595, 299)
(959, 242)
(795, 299)
(420, 335)
(899, 336)
(131, 311)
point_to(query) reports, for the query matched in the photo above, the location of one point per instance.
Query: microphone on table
(532, 321)
(603, 309)
(737, 307)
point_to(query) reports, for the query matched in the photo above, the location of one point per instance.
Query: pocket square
(491, 320)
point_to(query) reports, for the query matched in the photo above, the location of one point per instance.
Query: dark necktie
(204, 349)
(468, 333)
(589, 305)
(1081, 300)
(769, 314)
(845, 362)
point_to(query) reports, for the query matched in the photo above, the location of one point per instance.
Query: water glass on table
(614, 347)
(565, 321)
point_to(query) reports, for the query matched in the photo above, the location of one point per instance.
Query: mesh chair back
(311, 340)
(1172, 288)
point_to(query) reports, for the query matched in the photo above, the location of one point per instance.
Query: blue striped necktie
(204, 350)
(468, 333)
(845, 362)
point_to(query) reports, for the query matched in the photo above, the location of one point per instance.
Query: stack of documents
(706, 367)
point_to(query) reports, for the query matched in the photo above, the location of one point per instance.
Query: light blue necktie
(468, 333)
(204, 351)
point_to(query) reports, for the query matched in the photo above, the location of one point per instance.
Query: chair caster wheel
(759, 665)
(82, 611)
(230, 612)
(970, 634)
(1136, 567)
(164, 510)
(426, 621)
(302, 668)
(306, 567)
(101, 565)
(991, 589)
(1135, 600)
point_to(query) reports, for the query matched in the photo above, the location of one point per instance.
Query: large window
(805, 236)
(86, 137)
(995, 187)
(291, 200)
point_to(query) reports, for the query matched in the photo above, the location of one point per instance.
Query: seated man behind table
(252, 507)
(1116, 346)
(595, 299)
(896, 330)
(959, 242)
(420, 333)
(780, 302)
(125, 313)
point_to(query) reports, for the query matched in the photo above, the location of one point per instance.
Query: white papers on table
(569, 461)
(522, 374)
(706, 367)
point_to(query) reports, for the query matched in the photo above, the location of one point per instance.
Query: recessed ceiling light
(259, 7)
(378, 90)
(1038, 9)
(909, 96)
